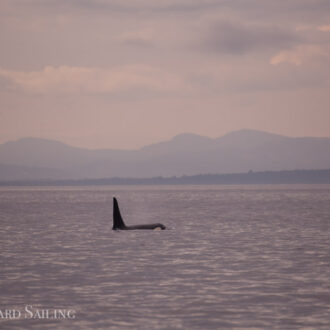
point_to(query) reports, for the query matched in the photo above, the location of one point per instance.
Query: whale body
(118, 222)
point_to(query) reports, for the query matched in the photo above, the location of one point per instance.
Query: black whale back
(118, 222)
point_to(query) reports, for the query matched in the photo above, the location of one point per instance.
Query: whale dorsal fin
(118, 222)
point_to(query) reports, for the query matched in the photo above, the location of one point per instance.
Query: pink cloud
(72, 80)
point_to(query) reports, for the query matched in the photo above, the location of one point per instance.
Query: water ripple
(235, 257)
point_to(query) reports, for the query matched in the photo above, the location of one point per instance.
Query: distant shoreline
(265, 177)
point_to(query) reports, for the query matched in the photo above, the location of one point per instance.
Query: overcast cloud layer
(122, 74)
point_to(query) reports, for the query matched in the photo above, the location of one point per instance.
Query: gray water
(233, 257)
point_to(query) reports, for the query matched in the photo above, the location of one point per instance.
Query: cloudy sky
(122, 74)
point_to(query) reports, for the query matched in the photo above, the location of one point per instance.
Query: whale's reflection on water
(237, 256)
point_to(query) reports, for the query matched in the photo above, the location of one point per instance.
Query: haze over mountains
(185, 154)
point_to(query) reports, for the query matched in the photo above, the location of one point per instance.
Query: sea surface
(244, 257)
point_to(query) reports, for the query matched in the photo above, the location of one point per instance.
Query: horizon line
(250, 177)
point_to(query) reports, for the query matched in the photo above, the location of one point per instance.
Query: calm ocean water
(233, 257)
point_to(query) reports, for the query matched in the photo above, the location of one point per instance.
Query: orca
(118, 222)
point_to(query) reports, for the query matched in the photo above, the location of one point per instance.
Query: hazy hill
(15, 172)
(188, 154)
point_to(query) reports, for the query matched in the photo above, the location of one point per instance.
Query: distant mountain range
(185, 154)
